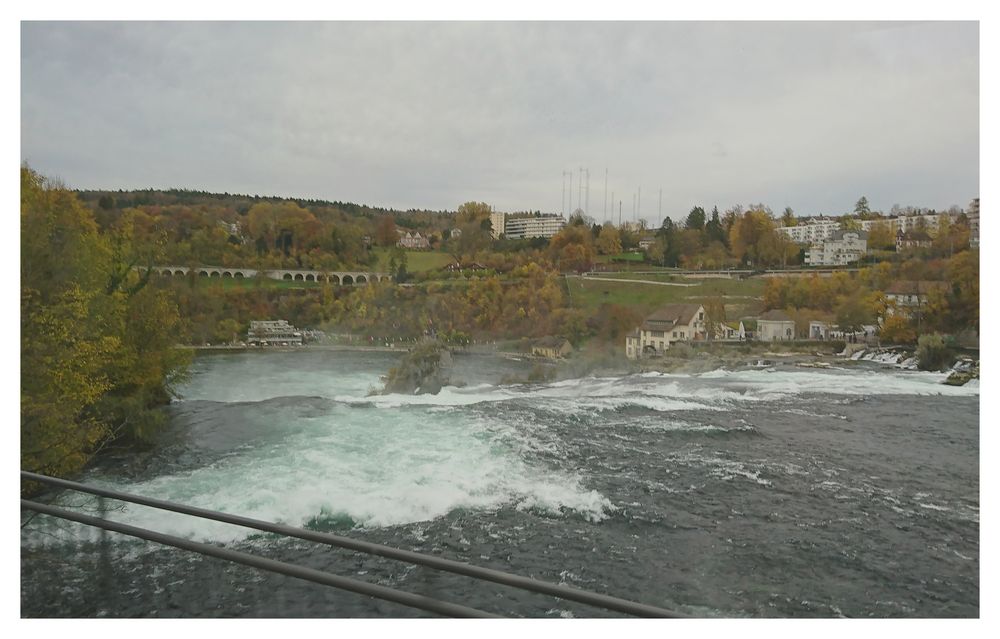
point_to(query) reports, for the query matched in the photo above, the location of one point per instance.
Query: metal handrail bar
(497, 576)
(309, 574)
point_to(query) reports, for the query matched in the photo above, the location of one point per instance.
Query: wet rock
(424, 370)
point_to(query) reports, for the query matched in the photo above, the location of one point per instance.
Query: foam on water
(371, 468)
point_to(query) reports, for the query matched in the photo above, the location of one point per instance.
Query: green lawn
(589, 293)
(416, 261)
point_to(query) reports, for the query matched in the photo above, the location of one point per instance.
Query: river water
(780, 492)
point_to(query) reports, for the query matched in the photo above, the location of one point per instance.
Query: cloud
(810, 115)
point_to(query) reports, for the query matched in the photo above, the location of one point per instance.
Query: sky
(429, 115)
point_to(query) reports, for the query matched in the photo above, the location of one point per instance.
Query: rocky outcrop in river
(424, 370)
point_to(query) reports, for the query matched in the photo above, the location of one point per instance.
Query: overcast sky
(430, 115)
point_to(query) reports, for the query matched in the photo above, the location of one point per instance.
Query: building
(775, 326)
(647, 242)
(842, 248)
(523, 226)
(973, 215)
(908, 296)
(912, 240)
(497, 222)
(413, 241)
(731, 331)
(811, 232)
(553, 347)
(456, 267)
(818, 329)
(273, 333)
(671, 323)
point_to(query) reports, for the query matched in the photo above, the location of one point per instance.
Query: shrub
(680, 350)
(934, 352)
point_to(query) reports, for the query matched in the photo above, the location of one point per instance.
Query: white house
(775, 326)
(732, 331)
(413, 241)
(671, 323)
(907, 296)
(819, 329)
(843, 247)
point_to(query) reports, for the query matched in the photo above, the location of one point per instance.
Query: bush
(680, 350)
(934, 352)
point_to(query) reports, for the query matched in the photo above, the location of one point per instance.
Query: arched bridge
(343, 278)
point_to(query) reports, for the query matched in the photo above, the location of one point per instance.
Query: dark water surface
(785, 492)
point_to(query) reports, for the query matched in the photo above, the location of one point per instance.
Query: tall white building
(973, 215)
(497, 224)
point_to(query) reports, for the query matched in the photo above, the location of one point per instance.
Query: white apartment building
(905, 223)
(841, 249)
(497, 224)
(973, 214)
(811, 232)
(520, 227)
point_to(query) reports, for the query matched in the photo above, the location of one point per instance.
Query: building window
(675, 334)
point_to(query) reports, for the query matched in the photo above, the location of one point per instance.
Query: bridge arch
(179, 272)
(310, 277)
(362, 279)
(227, 274)
(238, 275)
(214, 274)
(286, 276)
(346, 279)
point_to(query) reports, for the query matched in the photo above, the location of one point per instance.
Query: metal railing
(382, 592)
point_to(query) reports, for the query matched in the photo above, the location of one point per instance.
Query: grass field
(589, 293)
(416, 261)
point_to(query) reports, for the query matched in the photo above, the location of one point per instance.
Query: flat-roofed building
(273, 333)
(527, 226)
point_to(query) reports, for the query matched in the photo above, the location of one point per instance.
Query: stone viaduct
(343, 278)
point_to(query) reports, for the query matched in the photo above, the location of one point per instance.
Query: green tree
(714, 230)
(695, 219)
(861, 208)
(788, 217)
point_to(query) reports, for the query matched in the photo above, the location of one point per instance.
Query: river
(780, 492)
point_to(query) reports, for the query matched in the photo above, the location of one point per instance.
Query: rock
(424, 370)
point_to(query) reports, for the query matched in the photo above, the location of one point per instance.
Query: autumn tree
(747, 235)
(473, 212)
(572, 248)
(608, 241)
(880, 237)
(385, 231)
(97, 342)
